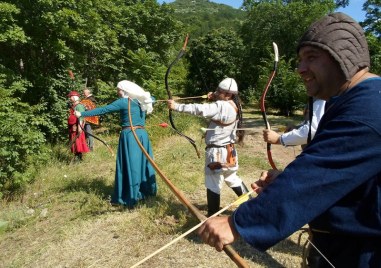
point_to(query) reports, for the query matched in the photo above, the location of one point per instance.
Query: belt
(129, 127)
(214, 146)
(208, 146)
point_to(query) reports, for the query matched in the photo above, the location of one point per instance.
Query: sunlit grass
(66, 197)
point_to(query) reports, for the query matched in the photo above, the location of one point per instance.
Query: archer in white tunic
(299, 135)
(221, 159)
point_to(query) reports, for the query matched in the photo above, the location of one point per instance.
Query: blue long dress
(134, 176)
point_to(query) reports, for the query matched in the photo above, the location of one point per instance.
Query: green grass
(65, 197)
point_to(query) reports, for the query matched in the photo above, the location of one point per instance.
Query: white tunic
(221, 131)
(222, 127)
(299, 136)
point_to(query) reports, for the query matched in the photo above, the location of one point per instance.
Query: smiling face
(320, 73)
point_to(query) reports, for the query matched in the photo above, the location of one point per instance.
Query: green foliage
(287, 93)
(213, 57)
(282, 23)
(21, 141)
(98, 40)
(103, 42)
(375, 53)
(372, 23)
(146, 67)
(202, 16)
(10, 32)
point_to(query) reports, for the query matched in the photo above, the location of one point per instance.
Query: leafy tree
(101, 42)
(213, 57)
(282, 23)
(372, 25)
(199, 17)
(372, 22)
(248, 4)
(21, 141)
(287, 93)
(375, 53)
(97, 40)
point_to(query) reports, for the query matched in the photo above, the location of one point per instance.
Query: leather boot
(213, 202)
(240, 190)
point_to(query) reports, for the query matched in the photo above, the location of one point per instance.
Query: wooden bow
(196, 212)
(240, 200)
(179, 55)
(262, 106)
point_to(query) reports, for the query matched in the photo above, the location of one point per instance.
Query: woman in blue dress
(134, 175)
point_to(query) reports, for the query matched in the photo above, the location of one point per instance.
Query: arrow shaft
(238, 260)
(243, 197)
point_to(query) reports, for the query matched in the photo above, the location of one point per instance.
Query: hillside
(202, 16)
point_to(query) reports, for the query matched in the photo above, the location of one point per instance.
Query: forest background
(102, 42)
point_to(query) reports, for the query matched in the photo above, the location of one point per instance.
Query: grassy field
(64, 219)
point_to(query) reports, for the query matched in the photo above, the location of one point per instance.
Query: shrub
(21, 141)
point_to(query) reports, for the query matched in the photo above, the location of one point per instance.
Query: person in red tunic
(76, 134)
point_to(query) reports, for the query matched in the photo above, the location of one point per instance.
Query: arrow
(185, 98)
(243, 198)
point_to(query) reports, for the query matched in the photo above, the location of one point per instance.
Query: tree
(372, 22)
(20, 137)
(97, 40)
(372, 26)
(101, 42)
(202, 16)
(282, 23)
(248, 4)
(213, 57)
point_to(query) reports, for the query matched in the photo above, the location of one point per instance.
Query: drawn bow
(262, 103)
(195, 212)
(179, 55)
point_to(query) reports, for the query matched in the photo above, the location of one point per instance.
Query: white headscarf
(132, 90)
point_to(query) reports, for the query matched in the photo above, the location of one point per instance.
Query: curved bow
(240, 200)
(99, 139)
(195, 212)
(179, 55)
(263, 110)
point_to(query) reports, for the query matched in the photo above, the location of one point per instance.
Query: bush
(21, 141)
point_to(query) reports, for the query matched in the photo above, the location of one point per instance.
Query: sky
(354, 9)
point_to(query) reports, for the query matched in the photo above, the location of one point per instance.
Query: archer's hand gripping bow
(263, 110)
(179, 55)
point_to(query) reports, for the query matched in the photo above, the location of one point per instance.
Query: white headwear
(228, 85)
(134, 91)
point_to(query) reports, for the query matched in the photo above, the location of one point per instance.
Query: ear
(229, 95)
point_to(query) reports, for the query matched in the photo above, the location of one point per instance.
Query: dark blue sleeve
(341, 157)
